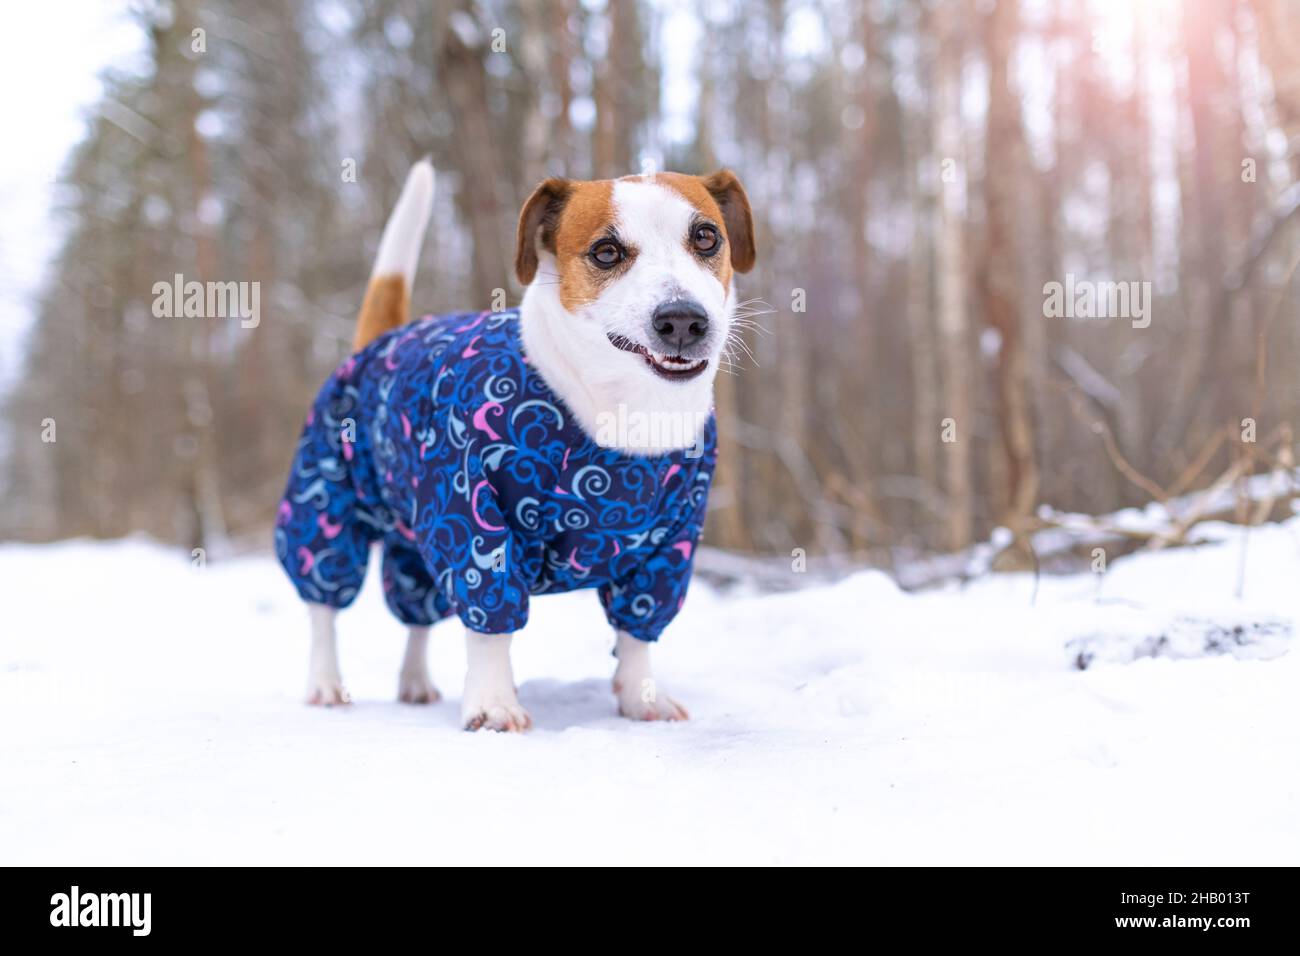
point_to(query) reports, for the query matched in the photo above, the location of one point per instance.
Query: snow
(152, 715)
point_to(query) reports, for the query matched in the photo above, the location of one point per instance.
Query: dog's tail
(388, 297)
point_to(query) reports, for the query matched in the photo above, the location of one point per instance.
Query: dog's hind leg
(413, 598)
(490, 701)
(639, 697)
(324, 685)
(413, 684)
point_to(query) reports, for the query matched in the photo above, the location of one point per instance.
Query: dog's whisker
(731, 358)
(739, 342)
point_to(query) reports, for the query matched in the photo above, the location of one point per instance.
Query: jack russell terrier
(500, 455)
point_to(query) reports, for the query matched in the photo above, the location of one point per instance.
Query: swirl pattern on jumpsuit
(440, 441)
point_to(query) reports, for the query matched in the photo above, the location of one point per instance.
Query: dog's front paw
(494, 710)
(417, 688)
(642, 700)
(327, 692)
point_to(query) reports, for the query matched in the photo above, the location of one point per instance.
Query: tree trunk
(1279, 46)
(1003, 164)
(618, 84)
(463, 77)
(950, 265)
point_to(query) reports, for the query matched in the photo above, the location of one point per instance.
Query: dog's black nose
(680, 323)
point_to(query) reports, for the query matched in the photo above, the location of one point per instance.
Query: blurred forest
(919, 172)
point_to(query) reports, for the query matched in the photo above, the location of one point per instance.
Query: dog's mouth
(677, 368)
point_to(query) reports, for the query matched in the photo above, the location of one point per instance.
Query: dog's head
(642, 266)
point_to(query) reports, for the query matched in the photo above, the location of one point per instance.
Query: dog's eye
(705, 239)
(607, 253)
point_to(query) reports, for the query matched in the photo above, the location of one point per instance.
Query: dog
(565, 444)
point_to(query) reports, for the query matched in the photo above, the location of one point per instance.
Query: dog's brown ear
(537, 223)
(730, 196)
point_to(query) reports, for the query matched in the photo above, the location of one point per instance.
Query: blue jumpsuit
(441, 441)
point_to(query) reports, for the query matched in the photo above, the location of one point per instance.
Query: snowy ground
(151, 713)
